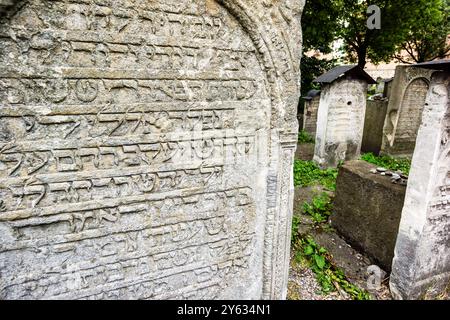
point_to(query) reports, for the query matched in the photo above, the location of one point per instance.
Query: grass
(307, 173)
(328, 275)
(387, 162)
(320, 208)
(307, 253)
(305, 137)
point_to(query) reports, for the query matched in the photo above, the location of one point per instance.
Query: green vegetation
(320, 28)
(305, 137)
(320, 208)
(328, 275)
(308, 173)
(311, 68)
(427, 38)
(295, 225)
(388, 162)
(398, 24)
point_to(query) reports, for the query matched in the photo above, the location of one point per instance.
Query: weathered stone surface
(373, 126)
(367, 210)
(310, 112)
(404, 114)
(146, 148)
(340, 121)
(421, 266)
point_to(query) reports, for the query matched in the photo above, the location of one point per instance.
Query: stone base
(367, 210)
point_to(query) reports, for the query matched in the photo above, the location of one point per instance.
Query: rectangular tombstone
(421, 266)
(310, 114)
(373, 126)
(388, 88)
(340, 121)
(367, 210)
(406, 101)
(146, 148)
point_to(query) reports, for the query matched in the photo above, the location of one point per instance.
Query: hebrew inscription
(135, 141)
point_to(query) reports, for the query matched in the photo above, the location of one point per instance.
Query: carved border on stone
(280, 55)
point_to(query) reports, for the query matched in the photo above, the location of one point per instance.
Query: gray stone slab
(404, 114)
(367, 210)
(146, 148)
(421, 267)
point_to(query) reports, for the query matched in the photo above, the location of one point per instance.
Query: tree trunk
(362, 52)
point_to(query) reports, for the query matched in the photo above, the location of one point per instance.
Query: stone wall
(373, 125)
(146, 148)
(407, 98)
(367, 210)
(340, 121)
(421, 267)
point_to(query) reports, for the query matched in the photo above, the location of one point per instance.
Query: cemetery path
(303, 284)
(302, 281)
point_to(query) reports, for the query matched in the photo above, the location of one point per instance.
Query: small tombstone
(387, 87)
(421, 266)
(312, 100)
(407, 98)
(340, 120)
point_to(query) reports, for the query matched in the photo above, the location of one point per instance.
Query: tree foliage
(320, 24)
(397, 19)
(427, 38)
(320, 28)
(419, 27)
(311, 68)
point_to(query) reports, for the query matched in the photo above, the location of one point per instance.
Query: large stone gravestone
(421, 266)
(146, 148)
(404, 114)
(340, 118)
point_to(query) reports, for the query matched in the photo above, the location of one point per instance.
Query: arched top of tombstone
(266, 22)
(312, 94)
(443, 65)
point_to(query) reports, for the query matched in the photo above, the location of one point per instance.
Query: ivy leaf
(309, 250)
(320, 261)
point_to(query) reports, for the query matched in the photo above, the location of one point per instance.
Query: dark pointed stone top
(311, 94)
(443, 65)
(353, 71)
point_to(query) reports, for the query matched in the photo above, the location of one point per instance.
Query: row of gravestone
(417, 125)
(390, 122)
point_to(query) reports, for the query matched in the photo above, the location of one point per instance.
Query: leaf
(309, 250)
(320, 261)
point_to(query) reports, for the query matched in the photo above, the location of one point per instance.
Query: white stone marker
(340, 120)
(421, 266)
